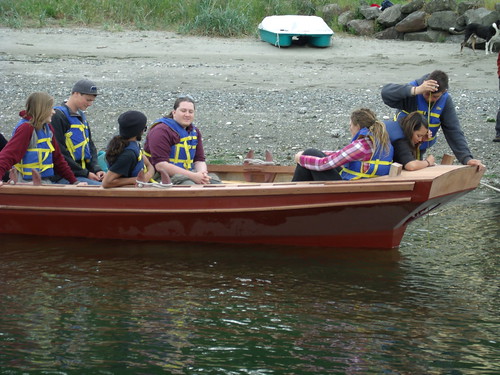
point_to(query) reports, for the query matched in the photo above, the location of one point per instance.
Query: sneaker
(496, 139)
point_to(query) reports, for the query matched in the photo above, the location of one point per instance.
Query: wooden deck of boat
(444, 180)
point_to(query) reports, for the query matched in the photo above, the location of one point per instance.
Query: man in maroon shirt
(175, 146)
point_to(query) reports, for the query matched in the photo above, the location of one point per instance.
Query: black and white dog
(474, 31)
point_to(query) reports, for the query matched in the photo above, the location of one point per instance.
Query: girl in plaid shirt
(368, 155)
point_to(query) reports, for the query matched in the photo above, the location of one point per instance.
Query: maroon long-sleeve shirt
(15, 149)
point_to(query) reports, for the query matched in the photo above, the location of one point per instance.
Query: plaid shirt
(360, 150)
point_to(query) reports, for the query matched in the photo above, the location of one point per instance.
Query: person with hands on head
(33, 146)
(175, 146)
(429, 96)
(74, 136)
(124, 156)
(406, 137)
(368, 155)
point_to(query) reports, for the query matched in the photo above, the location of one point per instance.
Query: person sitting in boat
(73, 134)
(124, 155)
(175, 146)
(368, 155)
(3, 142)
(406, 137)
(33, 146)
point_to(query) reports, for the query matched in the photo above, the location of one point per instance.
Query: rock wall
(417, 20)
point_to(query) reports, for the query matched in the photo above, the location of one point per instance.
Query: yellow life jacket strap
(71, 147)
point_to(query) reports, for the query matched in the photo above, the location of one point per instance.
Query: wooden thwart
(254, 168)
(395, 170)
(447, 159)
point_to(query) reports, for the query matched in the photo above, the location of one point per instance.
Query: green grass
(214, 19)
(226, 18)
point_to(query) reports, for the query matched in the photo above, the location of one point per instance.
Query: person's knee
(214, 179)
(313, 152)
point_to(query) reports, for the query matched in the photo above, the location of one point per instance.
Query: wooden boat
(283, 31)
(257, 204)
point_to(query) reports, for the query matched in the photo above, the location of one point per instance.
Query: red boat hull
(337, 214)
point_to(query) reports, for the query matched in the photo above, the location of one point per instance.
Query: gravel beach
(250, 94)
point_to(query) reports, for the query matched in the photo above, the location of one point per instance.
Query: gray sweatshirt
(399, 97)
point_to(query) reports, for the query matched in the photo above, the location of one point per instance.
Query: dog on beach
(474, 31)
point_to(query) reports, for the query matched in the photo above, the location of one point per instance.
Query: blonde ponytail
(366, 118)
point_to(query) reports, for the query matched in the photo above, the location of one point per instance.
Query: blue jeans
(80, 179)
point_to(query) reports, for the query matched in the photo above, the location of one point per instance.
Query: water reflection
(122, 307)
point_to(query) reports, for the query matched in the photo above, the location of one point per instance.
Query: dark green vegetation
(226, 18)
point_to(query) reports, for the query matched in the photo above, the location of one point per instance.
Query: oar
(491, 187)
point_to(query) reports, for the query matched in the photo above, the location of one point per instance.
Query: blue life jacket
(78, 137)
(396, 132)
(38, 155)
(136, 148)
(378, 165)
(394, 129)
(182, 154)
(433, 115)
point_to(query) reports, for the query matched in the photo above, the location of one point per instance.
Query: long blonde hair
(366, 118)
(39, 108)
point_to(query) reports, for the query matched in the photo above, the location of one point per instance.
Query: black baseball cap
(85, 86)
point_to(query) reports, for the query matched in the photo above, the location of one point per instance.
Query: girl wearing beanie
(124, 155)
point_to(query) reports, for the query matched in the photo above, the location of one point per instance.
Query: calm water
(107, 307)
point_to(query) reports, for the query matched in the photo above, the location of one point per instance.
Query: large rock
(482, 16)
(389, 33)
(440, 5)
(412, 6)
(431, 36)
(370, 13)
(345, 18)
(466, 5)
(461, 22)
(442, 20)
(330, 11)
(417, 21)
(390, 16)
(362, 27)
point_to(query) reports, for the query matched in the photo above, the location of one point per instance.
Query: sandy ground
(145, 69)
(351, 62)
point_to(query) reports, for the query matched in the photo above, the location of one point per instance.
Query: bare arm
(415, 165)
(112, 180)
(150, 170)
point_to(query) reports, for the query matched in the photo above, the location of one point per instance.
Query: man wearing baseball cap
(73, 133)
